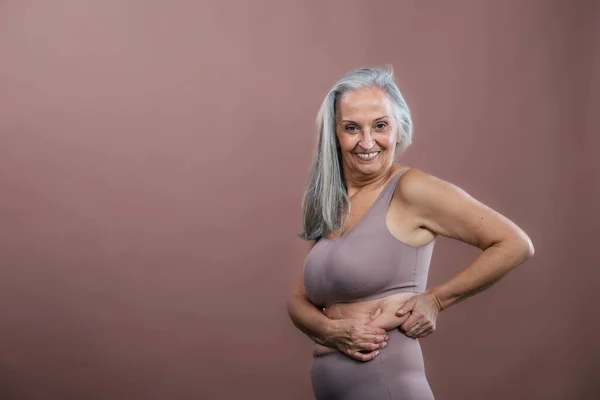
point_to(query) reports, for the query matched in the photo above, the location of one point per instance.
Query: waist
(363, 310)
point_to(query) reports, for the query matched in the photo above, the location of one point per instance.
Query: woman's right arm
(348, 336)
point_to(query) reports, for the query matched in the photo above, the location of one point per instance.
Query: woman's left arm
(445, 209)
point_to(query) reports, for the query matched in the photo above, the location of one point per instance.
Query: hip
(398, 370)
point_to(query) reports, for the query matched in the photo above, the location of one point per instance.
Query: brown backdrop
(153, 156)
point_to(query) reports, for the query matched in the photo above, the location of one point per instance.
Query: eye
(351, 128)
(381, 125)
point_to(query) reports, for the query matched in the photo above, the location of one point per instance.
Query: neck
(356, 181)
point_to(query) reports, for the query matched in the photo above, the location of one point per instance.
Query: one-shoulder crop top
(367, 262)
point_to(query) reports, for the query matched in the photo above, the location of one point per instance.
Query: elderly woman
(361, 295)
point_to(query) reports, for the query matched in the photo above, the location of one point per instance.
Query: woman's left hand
(423, 309)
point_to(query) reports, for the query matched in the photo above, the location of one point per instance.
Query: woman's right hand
(355, 338)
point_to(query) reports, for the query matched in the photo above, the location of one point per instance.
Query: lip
(369, 160)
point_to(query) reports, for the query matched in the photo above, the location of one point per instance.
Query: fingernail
(400, 311)
(384, 344)
(377, 352)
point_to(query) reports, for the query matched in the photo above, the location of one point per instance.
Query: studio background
(152, 161)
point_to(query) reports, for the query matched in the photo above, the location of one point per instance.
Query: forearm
(308, 318)
(488, 268)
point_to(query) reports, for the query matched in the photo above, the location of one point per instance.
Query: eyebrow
(376, 119)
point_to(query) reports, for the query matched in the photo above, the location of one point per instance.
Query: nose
(366, 141)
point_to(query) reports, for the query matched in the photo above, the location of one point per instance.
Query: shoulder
(416, 182)
(419, 189)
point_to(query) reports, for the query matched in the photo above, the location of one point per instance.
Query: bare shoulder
(416, 186)
(446, 209)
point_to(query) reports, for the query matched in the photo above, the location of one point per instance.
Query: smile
(367, 156)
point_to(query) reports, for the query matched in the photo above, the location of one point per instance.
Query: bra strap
(388, 193)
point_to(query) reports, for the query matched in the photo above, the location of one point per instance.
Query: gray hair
(326, 200)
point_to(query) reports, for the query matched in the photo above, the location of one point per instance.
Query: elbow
(291, 306)
(292, 311)
(530, 249)
(525, 246)
(518, 245)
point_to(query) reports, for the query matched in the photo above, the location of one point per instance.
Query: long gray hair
(326, 199)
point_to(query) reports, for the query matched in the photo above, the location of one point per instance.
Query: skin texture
(377, 313)
(364, 124)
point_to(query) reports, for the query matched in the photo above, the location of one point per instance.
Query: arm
(445, 209)
(349, 336)
(305, 315)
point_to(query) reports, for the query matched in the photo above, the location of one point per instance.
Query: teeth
(367, 156)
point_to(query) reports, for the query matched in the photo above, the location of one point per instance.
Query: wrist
(328, 330)
(438, 300)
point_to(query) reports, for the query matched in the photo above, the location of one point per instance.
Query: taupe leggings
(397, 373)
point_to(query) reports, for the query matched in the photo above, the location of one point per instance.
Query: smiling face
(366, 131)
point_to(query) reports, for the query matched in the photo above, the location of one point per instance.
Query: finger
(374, 331)
(411, 321)
(426, 332)
(417, 329)
(403, 319)
(372, 316)
(356, 331)
(411, 332)
(423, 326)
(406, 307)
(367, 345)
(373, 338)
(364, 346)
(376, 314)
(357, 355)
(369, 330)
(360, 326)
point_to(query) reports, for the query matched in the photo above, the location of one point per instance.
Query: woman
(372, 223)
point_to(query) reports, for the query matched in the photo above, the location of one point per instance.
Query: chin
(369, 168)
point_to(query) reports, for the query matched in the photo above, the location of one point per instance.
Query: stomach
(363, 310)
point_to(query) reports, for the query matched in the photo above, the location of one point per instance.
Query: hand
(355, 338)
(424, 309)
